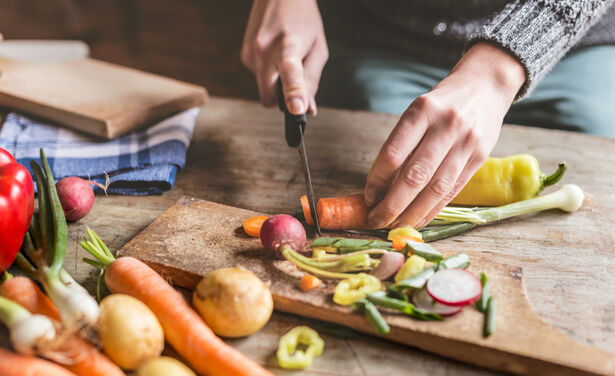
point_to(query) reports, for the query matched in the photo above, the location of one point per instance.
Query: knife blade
(294, 126)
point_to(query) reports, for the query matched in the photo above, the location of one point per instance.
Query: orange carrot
(88, 360)
(12, 364)
(338, 213)
(25, 292)
(183, 327)
(399, 242)
(252, 226)
(309, 282)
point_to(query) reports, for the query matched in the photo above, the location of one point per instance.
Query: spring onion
(568, 198)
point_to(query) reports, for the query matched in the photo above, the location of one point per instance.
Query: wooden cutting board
(93, 96)
(195, 237)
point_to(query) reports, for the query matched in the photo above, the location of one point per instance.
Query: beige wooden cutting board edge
(194, 237)
(93, 96)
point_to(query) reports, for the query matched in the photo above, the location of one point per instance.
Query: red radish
(76, 196)
(280, 230)
(390, 263)
(423, 300)
(456, 287)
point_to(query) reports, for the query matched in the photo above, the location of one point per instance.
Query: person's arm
(285, 39)
(538, 33)
(442, 139)
(447, 134)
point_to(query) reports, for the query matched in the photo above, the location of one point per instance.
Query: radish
(282, 231)
(76, 196)
(423, 300)
(455, 287)
(390, 263)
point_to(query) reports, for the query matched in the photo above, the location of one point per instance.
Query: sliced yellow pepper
(351, 289)
(412, 266)
(290, 357)
(406, 231)
(502, 181)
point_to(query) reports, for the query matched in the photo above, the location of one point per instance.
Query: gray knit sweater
(537, 32)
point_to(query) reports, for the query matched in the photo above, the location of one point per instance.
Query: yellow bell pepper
(351, 289)
(407, 231)
(290, 356)
(502, 181)
(413, 265)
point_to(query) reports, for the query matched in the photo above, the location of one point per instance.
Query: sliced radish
(455, 287)
(390, 263)
(423, 300)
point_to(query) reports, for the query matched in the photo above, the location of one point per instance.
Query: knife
(294, 127)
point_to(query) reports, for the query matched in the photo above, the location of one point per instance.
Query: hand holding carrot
(442, 139)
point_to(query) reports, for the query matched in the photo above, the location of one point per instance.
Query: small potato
(233, 302)
(164, 366)
(129, 331)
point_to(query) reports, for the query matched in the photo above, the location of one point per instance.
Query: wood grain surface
(195, 237)
(93, 96)
(238, 157)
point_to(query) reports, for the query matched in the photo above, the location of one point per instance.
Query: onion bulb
(129, 331)
(234, 302)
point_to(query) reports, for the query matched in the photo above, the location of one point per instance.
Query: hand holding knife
(294, 128)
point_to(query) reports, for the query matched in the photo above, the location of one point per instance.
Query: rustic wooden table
(239, 157)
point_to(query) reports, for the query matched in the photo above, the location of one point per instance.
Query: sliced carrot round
(399, 242)
(307, 212)
(309, 282)
(252, 226)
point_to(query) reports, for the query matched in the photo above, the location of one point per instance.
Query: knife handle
(292, 123)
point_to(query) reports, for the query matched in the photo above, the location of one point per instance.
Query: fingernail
(375, 222)
(295, 106)
(371, 195)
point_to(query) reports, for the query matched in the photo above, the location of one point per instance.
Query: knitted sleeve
(538, 33)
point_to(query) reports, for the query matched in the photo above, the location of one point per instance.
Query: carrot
(25, 292)
(252, 226)
(87, 359)
(183, 327)
(309, 282)
(338, 213)
(12, 364)
(399, 242)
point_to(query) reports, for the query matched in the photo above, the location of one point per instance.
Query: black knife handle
(292, 123)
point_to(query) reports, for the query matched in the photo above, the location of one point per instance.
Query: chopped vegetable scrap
(299, 347)
(252, 226)
(351, 289)
(309, 282)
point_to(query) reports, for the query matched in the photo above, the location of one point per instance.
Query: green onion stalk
(43, 253)
(334, 266)
(30, 334)
(455, 220)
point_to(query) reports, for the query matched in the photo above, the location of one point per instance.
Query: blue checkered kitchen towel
(140, 163)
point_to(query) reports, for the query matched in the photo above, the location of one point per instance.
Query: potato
(233, 302)
(164, 366)
(129, 331)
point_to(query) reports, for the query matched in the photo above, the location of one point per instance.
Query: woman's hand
(442, 139)
(286, 39)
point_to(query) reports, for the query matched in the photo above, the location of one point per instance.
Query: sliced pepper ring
(290, 357)
(351, 289)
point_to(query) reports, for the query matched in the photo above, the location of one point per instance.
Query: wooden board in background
(93, 96)
(195, 237)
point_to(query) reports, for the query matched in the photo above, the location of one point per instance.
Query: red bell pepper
(16, 206)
